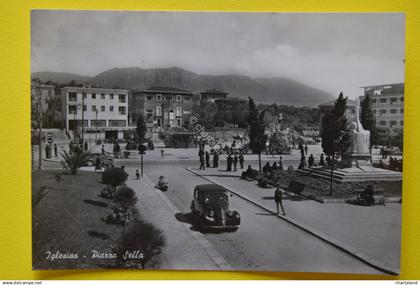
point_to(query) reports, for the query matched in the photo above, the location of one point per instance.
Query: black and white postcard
(217, 141)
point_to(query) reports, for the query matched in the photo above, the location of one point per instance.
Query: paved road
(264, 242)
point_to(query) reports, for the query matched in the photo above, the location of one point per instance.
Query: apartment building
(98, 111)
(43, 100)
(387, 105)
(162, 107)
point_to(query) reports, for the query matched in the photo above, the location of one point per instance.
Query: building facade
(387, 105)
(103, 112)
(43, 102)
(162, 107)
(212, 95)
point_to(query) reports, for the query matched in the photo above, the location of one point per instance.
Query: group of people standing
(204, 158)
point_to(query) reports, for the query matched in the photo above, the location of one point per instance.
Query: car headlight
(211, 213)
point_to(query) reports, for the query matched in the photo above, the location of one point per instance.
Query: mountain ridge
(281, 90)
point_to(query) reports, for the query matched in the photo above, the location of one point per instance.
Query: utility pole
(96, 125)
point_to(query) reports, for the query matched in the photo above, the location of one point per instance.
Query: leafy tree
(335, 136)
(114, 176)
(141, 128)
(72, 162)
(368, 120)
(257, 137)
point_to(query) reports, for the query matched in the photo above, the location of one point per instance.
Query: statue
(359, 148)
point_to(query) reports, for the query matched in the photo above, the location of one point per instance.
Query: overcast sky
(332, 52)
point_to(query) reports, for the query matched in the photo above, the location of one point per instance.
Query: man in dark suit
(278, 198)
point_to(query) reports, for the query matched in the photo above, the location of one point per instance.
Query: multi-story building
(387, 105)
(212, 95)
(43, 100)
(104, 112)
(162, 107)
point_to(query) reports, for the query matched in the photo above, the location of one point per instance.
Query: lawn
(66, 218)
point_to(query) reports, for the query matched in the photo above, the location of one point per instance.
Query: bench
(251, 175)
(378, 196)
(296, 187)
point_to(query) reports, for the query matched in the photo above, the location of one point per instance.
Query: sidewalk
(373, 233)
(185, 250)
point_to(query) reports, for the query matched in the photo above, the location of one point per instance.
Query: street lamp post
(96, 125)
(83, 114)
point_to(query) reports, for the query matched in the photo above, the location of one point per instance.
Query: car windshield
(215, 197)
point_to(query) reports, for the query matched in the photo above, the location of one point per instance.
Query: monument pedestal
(355, 160)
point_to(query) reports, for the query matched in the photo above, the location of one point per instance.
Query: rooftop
(165, 89)
(210, 188)
(214, 91)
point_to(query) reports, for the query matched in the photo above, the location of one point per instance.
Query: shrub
(125, 196)
(72, 162)
(114, 176)
(143, 241)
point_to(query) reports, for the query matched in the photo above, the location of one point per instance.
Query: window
(393, 111)
(393, 100)
(402, 99)
(168, 98)
(84, 95)
(158, 111)
(171, 114)
(382, 123)
(401, 123)
(178, 122)
(187, 98)
(158, 122)
(72, 109)
(149, 98)
(102, 108)
(72, 96)
(178, 98)
(93, 95)
(111, 96)
(103, 96)
(98, 123)
(117, 123)
(402, 111)
(121, 110)
(383, 112)
(93, 108)
(178, 111)
(84, 108)
(392, 123)
(158, 97)
(383, 100)
(149, 114)
(111, 108)
(121, 98)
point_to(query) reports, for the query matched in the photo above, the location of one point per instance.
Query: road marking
(217, 258)
(379, 265)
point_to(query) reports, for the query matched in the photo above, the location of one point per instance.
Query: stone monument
(358, 153)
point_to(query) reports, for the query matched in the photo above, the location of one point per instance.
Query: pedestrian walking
(235, 163)
(278, 198)
(98, 164)
(321, 160)
(55, 150)
(162, 153)
(306, 149)
(311, 160)
(229, 162)
(216, 159)
(86, 146)
(202, 161)
(207, 159)
(103, 149)
(137, 174)
(241, 160)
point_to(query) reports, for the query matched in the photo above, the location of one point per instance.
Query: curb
(381, 266)
(215, 256)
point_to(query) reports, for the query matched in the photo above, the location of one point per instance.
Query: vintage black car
(210, 208)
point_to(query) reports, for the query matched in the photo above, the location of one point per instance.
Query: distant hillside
(281, 90)
(60, 77)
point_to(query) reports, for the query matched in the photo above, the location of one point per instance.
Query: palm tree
(72, 162)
